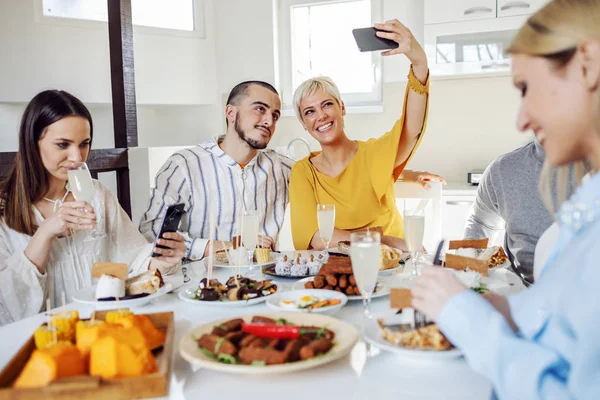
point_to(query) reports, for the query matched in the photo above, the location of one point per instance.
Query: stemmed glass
(326, 219)
(414, 230)
(365, 253)
(82, 187)
(250, 234)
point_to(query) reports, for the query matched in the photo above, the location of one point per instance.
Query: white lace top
(23, 289)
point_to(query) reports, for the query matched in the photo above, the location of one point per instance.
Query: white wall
(171, 70)
(40, 52)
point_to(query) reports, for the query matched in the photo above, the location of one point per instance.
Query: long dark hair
(28, 180)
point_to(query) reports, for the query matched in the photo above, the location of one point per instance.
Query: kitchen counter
(459, 189)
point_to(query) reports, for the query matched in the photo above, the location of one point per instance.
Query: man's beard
(254, 144)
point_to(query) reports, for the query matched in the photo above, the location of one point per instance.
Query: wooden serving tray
(91, 387)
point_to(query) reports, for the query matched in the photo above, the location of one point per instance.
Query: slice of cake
(262, 255)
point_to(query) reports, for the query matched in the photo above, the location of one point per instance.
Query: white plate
(88, 296)
(391, 271)
(372, 335)
(187, 294)
(382, 288)
(274, 301)
(346, 337)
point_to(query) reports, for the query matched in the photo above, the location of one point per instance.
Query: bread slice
(148, 282)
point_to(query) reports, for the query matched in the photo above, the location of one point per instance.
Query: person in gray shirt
(508, 198)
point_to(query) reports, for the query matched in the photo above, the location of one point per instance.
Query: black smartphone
(169, 223)
(367, 40)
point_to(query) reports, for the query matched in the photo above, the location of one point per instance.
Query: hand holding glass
(326, 219)
(365, 253)
(82, 187)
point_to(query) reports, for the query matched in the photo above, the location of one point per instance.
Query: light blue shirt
(556, 353)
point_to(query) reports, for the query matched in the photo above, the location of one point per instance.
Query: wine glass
(82, 187)
(326, 219)
(414, 230)
(365, 253)
(250, 234)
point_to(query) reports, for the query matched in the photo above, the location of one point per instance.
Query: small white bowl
(274, 301)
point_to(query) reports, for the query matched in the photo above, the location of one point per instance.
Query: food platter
(346, 337)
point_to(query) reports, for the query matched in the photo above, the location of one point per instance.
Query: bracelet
(415, 84)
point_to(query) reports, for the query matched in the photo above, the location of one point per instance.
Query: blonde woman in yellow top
(358, 177)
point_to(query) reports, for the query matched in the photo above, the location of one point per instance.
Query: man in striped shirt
(225, 177)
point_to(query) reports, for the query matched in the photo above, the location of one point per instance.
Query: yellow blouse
(363, 193)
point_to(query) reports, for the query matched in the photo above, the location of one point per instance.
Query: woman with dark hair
(43, 246)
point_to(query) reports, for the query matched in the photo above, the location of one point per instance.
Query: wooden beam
(102, 160)
(120, 35)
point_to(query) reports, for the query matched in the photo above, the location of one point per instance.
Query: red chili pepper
(272, 331)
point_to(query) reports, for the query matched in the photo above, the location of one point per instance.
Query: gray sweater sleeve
(484, 219)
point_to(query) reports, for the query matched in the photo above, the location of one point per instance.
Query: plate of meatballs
(337, 275)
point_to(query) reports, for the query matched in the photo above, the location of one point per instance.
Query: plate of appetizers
(238, 258)
(327, 302)
(269, 344)
(397, 334)
(296, 264)
(114, 292)
(238, 291)
(337, 274)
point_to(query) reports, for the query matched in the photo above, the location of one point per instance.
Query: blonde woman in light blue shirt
(543, 342)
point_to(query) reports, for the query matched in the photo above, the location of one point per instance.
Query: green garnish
(481, 289)
(282, 321)
(320, 333)
(259, 362)
(251, 285)
(208, 353)
(222, 327)
(219, 344)
(226, 359)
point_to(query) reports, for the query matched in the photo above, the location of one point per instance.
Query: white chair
(431, 200)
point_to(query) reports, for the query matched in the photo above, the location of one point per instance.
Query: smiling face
(556, 105)
(322, 116)
(255, 117)
(64, 142)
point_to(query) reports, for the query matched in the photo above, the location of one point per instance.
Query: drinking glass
(365, 253)
(326, 219)
(414, 229)
(82, 187)
(250, 234)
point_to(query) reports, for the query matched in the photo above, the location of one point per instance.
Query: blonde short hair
(555, 32)
(310, 86)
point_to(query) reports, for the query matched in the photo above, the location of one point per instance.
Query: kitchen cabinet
(455, 210)
(437, 11)
(508, 8)
(469, 37)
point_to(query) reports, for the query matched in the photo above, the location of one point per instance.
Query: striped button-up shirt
(206, 180)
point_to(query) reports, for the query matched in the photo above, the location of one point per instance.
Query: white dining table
(366, 373)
